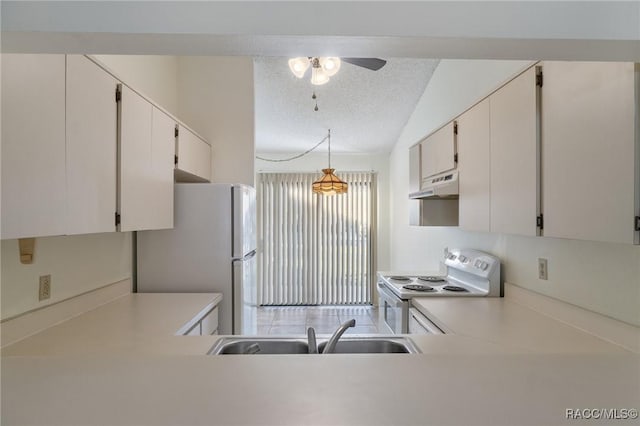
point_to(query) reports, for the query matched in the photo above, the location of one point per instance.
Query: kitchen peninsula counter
(92, 371)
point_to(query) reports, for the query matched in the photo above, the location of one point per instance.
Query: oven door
(393, 311)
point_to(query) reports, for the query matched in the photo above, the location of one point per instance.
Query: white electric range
(470, 273)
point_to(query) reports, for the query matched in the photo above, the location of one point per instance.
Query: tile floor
(287, 320)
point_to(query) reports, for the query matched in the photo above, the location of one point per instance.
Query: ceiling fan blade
(373, 64)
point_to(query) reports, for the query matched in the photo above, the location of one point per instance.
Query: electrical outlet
(542, 268)
(45, 287)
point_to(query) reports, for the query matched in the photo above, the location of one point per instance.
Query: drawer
(210, 322)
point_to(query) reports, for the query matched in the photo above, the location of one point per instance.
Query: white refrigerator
(211, 248)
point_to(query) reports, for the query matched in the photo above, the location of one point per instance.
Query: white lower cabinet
(589, 151)
(194, 331)
(33, 146)
(193, 157)
(209, 324)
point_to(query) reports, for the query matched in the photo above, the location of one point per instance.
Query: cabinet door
(514, 156)
(588, 150)
(194, 157)
(91, 147)
(135, 160)
(474, 147)
(33, 145)
(414, 169)
(209, 324)
(161, 186)
(438, 152)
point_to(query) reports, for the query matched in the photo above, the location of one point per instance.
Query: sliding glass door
(315, 249)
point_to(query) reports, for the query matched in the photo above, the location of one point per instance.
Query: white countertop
(121, 365)
(508, 324)
(490, 389)
(141, 323)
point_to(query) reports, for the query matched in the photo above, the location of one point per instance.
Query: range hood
(444, 185)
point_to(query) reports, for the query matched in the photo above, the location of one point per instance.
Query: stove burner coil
(432, 279)
(397, 278)
(418, 287)
(455, 288)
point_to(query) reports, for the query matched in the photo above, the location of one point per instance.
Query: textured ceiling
(365, 110)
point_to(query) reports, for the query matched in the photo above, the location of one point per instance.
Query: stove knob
(462, 258)
(477, 264)
(484, 266)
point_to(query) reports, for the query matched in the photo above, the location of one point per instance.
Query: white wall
(153, 75)
(76, 264)
(215, 98)
(601, 277)
(314, 162)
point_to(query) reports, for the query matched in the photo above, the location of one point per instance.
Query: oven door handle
(389, 297)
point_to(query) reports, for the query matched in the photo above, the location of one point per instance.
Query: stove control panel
(472, 261)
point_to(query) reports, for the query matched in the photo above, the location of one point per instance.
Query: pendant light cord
(329, 138)
(295, 157)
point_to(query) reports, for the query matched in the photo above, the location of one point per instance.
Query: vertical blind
(315, 249)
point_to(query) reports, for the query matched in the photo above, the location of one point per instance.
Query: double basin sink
(250, 345)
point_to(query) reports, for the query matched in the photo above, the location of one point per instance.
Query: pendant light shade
(329, 184)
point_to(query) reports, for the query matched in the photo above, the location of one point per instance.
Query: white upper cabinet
(162, 155)
(588, 151)
(514, 156)
(474, 152)
(414, 169)
(33, 145)
(135, 159)
(194, 157)
(91, 147)
(146, 164)
(438, 152)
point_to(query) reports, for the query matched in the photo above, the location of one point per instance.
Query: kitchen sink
(377, 345)
(250, 345)
(258, 346)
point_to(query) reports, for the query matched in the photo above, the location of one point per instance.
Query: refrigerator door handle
(247, 256)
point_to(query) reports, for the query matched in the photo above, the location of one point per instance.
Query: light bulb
(330, 65)
(318, 76)
(298, 66)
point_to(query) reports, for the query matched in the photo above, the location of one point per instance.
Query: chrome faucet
(331, 344)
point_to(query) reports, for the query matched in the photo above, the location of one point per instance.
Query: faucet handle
(311, 340)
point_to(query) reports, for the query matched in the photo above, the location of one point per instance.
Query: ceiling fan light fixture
(318, 76)
(299, 66)
(330, 65)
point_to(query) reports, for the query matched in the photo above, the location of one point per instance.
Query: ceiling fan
(324, 67)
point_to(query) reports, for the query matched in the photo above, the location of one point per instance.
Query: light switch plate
(44, 291)
(542, 269)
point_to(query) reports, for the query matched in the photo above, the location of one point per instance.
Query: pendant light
(329, 184)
